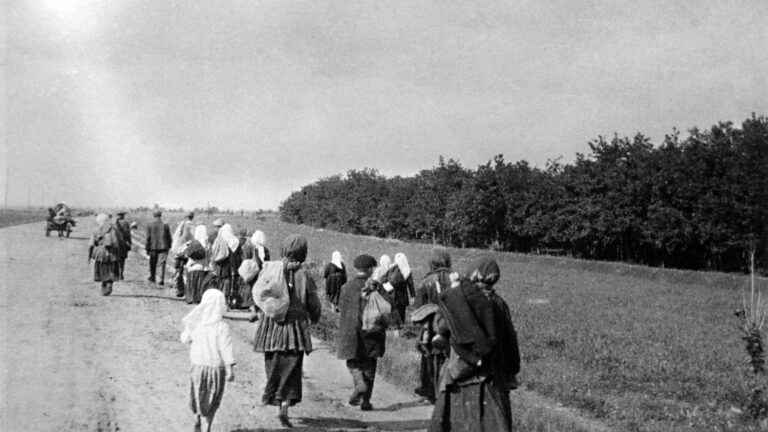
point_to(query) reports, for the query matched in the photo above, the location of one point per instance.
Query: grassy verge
(10, 217)
(636, 348)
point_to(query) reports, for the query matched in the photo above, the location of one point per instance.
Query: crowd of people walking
(469, 356)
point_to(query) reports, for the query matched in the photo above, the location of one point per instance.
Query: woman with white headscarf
(224, 248)
(254, 249)
(197, 251)
(380, 273)
(103, 249)
(335, 275)
(210, 353)
(401, 281)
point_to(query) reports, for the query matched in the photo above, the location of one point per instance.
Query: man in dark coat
(123, 230)
(360, 348)
(157, 246)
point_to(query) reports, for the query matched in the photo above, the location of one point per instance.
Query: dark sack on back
(195, 250)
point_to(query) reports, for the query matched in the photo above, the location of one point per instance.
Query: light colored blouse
(211, 345)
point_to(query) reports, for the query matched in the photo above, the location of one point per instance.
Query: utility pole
(7, 180)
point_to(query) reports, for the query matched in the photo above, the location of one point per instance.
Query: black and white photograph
(382, 216)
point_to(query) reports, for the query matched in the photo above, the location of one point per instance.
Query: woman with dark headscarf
(285, 343)
(484, 357)
(103, 249)
(433, 353)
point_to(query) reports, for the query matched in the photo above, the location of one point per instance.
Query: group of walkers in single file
(469, 356)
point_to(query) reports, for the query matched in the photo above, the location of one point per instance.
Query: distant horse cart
(60, 220)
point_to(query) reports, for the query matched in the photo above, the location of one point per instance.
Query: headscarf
(101, 219)
(485, 270)
(336, 259)
(228, 236)
(257, 240)
(384, 264)
(402, 263)
(201, 235)
(210, 311)
(294, 248)
(440, 259)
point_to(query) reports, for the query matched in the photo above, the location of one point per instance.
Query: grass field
(10, 217)
(635, 348)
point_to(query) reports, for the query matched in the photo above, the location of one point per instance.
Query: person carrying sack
(284, 338)
(362, 329)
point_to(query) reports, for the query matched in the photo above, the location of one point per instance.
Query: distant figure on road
(400, 278)
(181, 235)
(484, 358)
(157, 245)
(102, 250)
(123, 228)
(210, 353)
(360, 348)
(335, 275)
(253, 249)
(433, 354)
(197, 265)
(224, 247)
(285, 343)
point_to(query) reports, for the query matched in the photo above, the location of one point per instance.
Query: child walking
(210, 353)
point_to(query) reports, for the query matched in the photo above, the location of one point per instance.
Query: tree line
(699, 202)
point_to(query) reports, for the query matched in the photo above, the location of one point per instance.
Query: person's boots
(283, 415)
(106, 288)
(162, 276)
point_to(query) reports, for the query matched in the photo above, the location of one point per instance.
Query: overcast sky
(239, 102)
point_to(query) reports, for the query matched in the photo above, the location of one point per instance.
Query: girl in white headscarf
(102, 249)
(210, 353)
(335, 275)
(401, 279)
(197, 266)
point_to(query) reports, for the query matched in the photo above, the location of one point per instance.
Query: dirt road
(71, 359)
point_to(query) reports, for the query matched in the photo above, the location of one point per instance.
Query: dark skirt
(193, 290)
(206, 388)
(246, 295)
(106, 271)
(429, 375)
(284, 373)
(478, 407)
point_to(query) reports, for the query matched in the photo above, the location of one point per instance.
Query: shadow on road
(178, 299)
(320, 424)
(403, 405)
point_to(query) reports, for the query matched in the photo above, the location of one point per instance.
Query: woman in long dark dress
(484, 358)
(103, 250)
(335, 275)
(224, 253)
(400, 278)
(433, 354)
(285, 343)
(197, 267)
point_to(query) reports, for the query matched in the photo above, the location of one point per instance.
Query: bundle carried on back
(376, 311)
(270, 292)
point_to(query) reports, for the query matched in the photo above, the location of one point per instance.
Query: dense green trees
(699, 202)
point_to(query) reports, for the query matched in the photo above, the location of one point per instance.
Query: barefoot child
(210, 352)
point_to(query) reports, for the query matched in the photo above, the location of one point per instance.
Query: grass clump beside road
(635, 348)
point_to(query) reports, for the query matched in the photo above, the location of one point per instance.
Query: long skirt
(283, 369)
(246, 295)
(478, 407)
(206, 389)
(193, 290)
(106, 271)
(429, 375)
